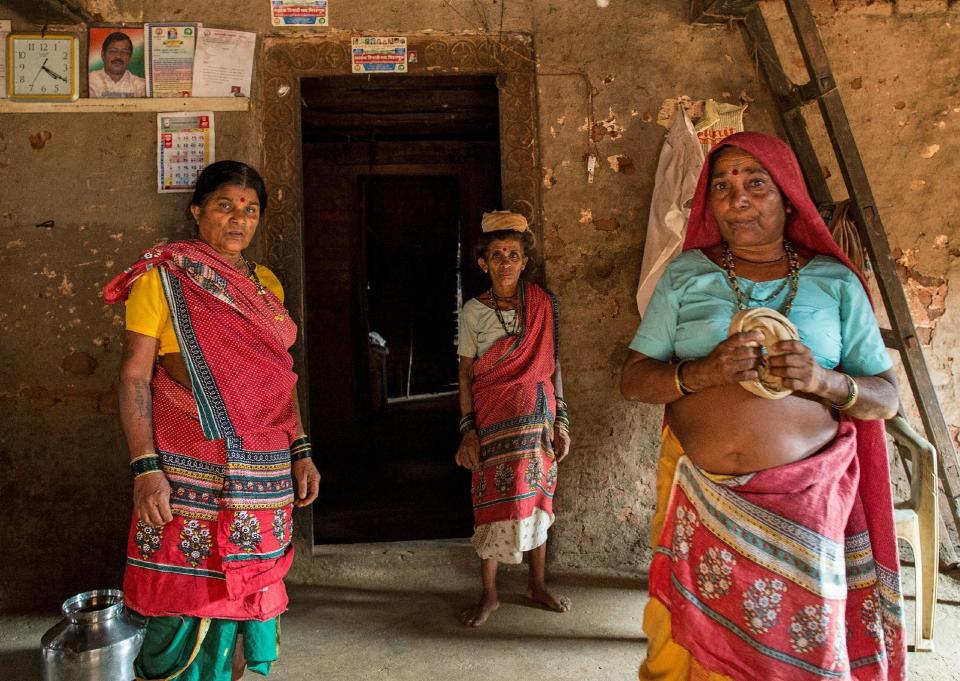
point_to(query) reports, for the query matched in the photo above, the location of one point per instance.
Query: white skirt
(507, 540)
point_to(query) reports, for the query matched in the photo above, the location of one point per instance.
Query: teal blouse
(693, 304)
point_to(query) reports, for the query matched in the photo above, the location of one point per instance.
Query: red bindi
(242, 200)
(734, 172)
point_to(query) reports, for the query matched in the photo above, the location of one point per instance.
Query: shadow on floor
(435, 614)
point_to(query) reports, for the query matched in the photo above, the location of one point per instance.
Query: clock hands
(42, 67)
(53, 73)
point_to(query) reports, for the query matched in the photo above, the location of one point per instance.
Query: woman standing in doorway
(514, 421)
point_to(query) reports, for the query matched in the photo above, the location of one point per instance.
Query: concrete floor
(370, 628)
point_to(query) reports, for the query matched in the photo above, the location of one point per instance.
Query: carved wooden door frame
(285, 60)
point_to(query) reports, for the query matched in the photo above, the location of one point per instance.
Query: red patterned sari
(515, 406)
(224, 445)
(790, 573)
(773, 575)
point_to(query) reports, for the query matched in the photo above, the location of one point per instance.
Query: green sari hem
(198, 649)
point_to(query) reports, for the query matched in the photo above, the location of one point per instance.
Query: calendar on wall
(185, 146)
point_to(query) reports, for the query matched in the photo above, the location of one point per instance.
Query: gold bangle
(144, 456)
(852, 396)
(140, 475)
(682, 388)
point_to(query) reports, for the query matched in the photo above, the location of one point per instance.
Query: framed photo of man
(115, 62)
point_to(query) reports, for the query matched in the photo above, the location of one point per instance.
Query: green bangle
(467, 422)
(148, 463)
(301, 454)
(300, 448)
(562, 419)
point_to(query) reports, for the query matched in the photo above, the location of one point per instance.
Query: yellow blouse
(147, 311)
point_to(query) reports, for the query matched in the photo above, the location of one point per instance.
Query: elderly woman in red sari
(514, 421)
(774, 547)
(209, 408)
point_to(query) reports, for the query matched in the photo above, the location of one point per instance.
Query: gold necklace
(261, 289)
(793, 279)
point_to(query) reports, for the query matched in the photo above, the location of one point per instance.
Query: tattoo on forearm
(143, 399)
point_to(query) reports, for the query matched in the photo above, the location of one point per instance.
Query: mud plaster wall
(64, 479)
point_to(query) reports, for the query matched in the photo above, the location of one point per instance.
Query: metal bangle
(852, 396)
(682, 387)
(467, 422)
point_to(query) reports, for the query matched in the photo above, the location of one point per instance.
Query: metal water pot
(96, 641)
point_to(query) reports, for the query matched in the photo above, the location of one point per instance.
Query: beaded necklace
(793, 279)
(517, 325)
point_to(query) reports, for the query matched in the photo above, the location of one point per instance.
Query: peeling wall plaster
(93, 176)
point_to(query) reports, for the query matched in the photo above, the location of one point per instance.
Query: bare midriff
(173, 364)
(727, 430)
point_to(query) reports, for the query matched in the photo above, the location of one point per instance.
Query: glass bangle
(148, 463)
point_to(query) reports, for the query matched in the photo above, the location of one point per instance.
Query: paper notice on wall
(4, 30)
(299, 13)
(185, 146)
(169, 58)
(371, 54)
(223, 63)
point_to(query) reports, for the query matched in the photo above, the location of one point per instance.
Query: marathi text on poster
(169, 58)
(375, 54)
(299, 13)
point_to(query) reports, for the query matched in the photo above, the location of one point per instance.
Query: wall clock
(43, 67)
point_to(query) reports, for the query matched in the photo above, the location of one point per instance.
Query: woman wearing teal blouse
(774, 547)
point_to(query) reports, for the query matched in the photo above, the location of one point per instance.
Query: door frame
(285, 60)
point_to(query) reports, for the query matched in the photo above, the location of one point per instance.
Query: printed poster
(184, 148)
(169, 58)
(372, 54)
(299, 13)
(223, 63)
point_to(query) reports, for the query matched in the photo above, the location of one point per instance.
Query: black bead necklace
(517, 325)
(792, 280)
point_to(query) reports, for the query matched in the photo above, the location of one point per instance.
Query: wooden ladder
(822, 89)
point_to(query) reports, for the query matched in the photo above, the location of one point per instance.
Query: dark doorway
(412, 231)
(397, 172)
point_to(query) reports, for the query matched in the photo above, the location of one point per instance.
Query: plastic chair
(918, 523)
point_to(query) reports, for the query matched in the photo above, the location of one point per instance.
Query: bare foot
(477, 614)
(542, 595)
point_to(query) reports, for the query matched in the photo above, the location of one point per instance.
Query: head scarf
(503, 219)
(803, 227)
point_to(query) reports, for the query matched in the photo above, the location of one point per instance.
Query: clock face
(42, 67)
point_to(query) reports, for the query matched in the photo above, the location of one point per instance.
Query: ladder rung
(892, 340)
(720, 11)
(808, 93)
